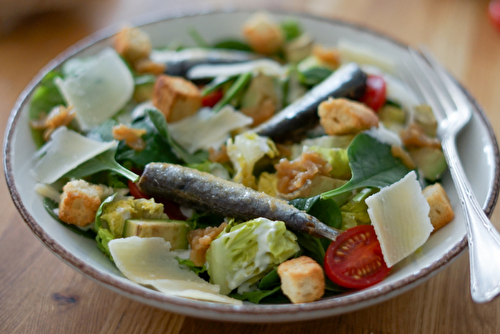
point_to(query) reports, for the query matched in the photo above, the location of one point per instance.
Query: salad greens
(327, 176)
(372, 165)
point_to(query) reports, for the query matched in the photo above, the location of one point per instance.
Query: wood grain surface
(40, 294)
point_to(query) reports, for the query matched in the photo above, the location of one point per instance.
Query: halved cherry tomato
(354, 259)
(170, 208)
(494, 12)
(375, 94)
(212, 98)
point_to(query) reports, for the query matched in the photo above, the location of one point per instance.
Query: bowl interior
(477, 147)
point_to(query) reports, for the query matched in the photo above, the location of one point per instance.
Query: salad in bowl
(271, 169)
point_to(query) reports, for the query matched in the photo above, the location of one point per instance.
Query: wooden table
(40, 294)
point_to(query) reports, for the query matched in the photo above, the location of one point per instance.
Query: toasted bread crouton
(441, 212)
(79, 202)
(263, 34)
(147, 66)
(176, 97)
(328, 56)
(131, 136)
(200, 240)
(342, 117)
(132, 44)
(302, 279)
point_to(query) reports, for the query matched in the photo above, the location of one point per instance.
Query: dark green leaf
(328, 212)
(204, 220)
(372, 165)
(235, 89)
(312, 247)
(291, 29)
(215, 84)
(191, 266)
(314, 76)
(103, 161)
(159, 121)
(256, 296)
(269, 281)
(232, 44)
(50, 205)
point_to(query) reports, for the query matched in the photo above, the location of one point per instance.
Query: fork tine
(455, 93)
(411, 78)
(430, 76)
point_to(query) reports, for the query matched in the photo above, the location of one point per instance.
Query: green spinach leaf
(232, 44)
(291, 29)
(158, 119)
(103, 161)
(188, 263)
(314, 76)
(372, 165)
(256, 296)
(271, 280)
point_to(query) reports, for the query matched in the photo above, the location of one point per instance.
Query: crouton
(342, 117)
(414, 136)
(79, 202)
(176, 97)
(302, 280)
(200, 240)
(441, 212)
(328, 56)
(263, 34)
(131, 136)
(147, 66)
(132, 44)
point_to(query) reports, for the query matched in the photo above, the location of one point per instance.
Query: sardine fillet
(205, 192)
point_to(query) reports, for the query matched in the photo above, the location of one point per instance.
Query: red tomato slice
(355, 259)
(134, 190)
(212, 98)
(170, 208)
(375, 92)
(494, 12)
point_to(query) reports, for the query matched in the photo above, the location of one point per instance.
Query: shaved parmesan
(355, 52)
(400, 216)
(265, 66)
(65, 150)
(193, 290)
(207, 129)
(149, 261)
(96, 87)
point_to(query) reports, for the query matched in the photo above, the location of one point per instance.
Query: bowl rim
(245, 313)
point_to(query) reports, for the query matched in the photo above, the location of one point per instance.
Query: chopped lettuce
(244, 152)
(213, 168)
(268, 183)
(337, 158)
(355, 211)
(116, 213)
(246, 252)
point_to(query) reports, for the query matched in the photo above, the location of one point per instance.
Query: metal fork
(453, 112)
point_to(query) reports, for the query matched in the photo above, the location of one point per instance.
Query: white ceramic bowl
(477, 146)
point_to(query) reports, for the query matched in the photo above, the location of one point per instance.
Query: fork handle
(484, 240)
